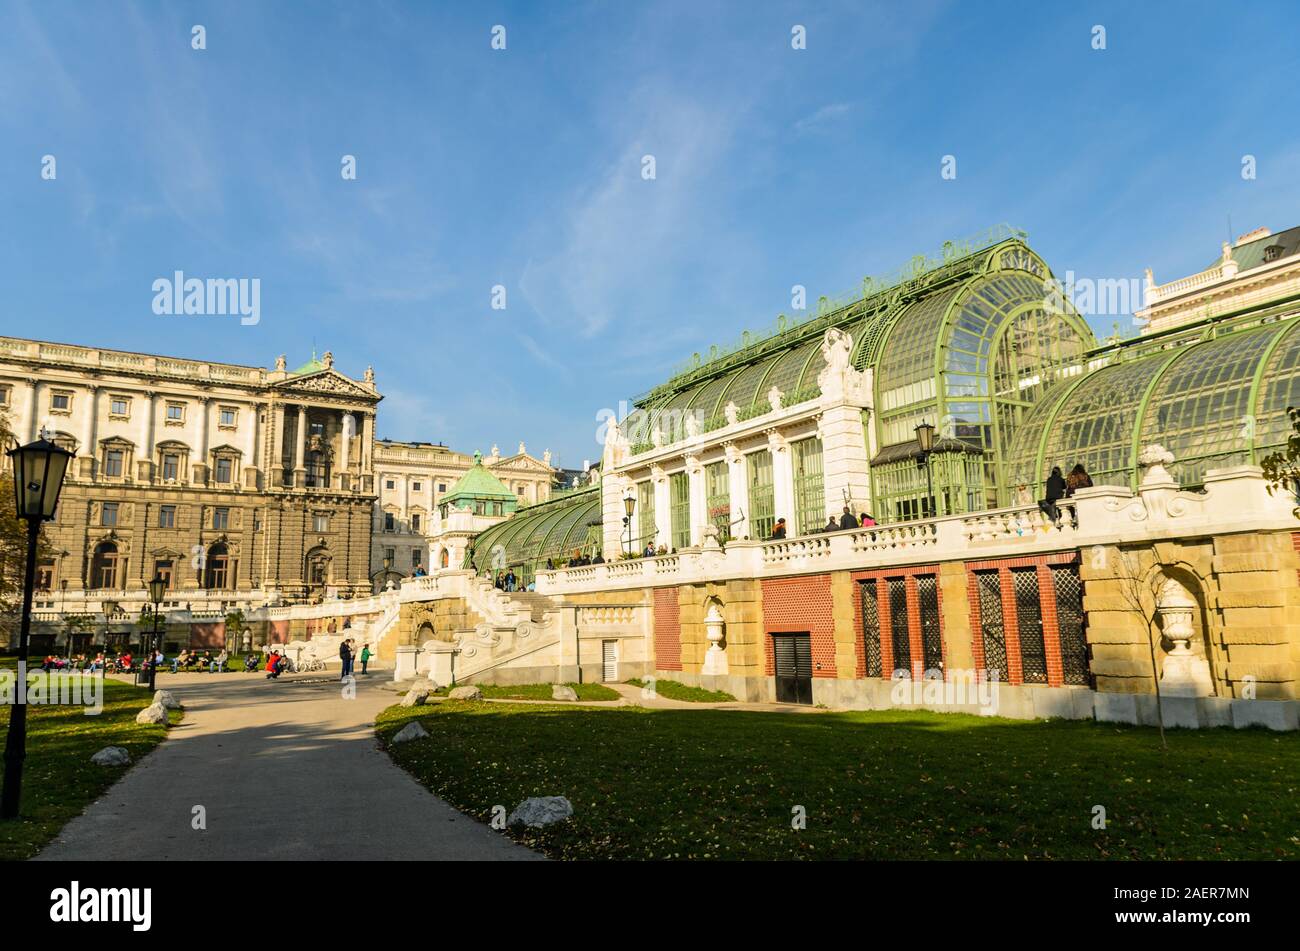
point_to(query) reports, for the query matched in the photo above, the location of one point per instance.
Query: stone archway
(1187, 661)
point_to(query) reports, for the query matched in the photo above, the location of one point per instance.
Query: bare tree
(1142, 597)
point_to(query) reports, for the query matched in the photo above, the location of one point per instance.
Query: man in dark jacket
(848, 520)
(1055, 492)
(345, 655)
(779, 530)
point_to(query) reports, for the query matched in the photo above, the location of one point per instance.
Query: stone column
(299, 448)
(782, 481)
(204, 436)
(33, 409)
(695, 492)
(345, 448)
(275, 464)
(663, 507)
(146, 442)
(367, 441)
(845, 463)
(738, 490)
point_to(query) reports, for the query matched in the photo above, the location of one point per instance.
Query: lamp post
(157, 589)
(629, 506)
(925, 443)
(39, 468)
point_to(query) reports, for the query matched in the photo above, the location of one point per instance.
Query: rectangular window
(809, 488)
(119, 406)
(679, 500)
(223, 469)
(221, 518)
(900, 637)
(167, 516)
(927, 597)
(717, 491)
(113, 459)
(171, 467)
(316, 429)
(320, 523)
(108, 514)
(645, 511)
(762, 518)
(871, 628)
(415, 486)
(415, 523)
(415, 557)
(442, 487)
(390, 523)
(1029, 624)
(176, 412)
(498, 508)
(992, 628)
(4, 396)
(61, 402)
(227, 416)
(45, 574)
(162, 568)
(389, 484)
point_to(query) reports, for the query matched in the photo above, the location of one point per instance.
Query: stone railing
(1234, 500)
(1160, 292)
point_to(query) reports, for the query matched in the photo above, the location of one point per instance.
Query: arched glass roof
(552, 529)
(1217, 402)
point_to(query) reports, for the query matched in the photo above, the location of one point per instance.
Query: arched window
(218, 569)
(318, 567)
(443, 559)
(105, 566)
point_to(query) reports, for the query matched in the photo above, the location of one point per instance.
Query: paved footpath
(285, 769)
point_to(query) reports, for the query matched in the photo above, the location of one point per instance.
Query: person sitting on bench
(218, 666)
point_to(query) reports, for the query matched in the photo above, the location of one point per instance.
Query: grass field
(59, 780)
(537, 691)
(697, 784)
(675, 690)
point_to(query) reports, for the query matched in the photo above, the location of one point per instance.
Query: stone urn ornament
(715, 658)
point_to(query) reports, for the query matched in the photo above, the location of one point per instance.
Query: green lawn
(537, 691)
(692, 784)
(59, 780)
(675, 690)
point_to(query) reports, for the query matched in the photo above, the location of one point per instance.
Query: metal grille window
(899, 637)
(992, 631)
(1029, 624)
(809, 487)
(762, 518)
(1070, 622)
(679, 499)
(927, 593)
(645, 514)
(718, 497)
(871, 628)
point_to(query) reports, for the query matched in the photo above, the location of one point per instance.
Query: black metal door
(991, 625)
(1070, 620)
(793, 653)
(1029, 617)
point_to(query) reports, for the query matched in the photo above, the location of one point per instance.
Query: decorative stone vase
(1185, 674)
(715, 658)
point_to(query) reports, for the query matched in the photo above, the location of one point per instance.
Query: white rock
(154, 713)
(466, 693)
(562, 692)
(112, 756)
(537, 812)
(412, 731)
(414, 697)
(167, 699)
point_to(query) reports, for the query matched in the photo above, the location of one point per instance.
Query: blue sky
(522, 168)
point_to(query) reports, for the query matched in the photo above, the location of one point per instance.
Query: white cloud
(824, 116)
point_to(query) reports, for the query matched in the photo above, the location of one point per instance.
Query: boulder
(563, 692)
(537, 812)
(154, 713)
(414, 697)
(167, 699)
(412, 731)
(112, 756)
(466, 693)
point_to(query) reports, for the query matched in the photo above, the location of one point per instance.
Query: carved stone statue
(370, 375)
(280, 363)
(731, 412)
(521, 447)
(837, 350)
(692, 425)
(328, 360)
(774, 399)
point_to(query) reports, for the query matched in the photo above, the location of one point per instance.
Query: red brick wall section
(207, 635)
(795, 605)
(279, 632)
(1010, 621)
(668, 630)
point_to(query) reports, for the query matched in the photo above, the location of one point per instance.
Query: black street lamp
(629, 506)
(925, 443)
(157, 591)
(39, 468)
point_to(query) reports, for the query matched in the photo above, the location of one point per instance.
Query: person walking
(365, 657)
(345, 655)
